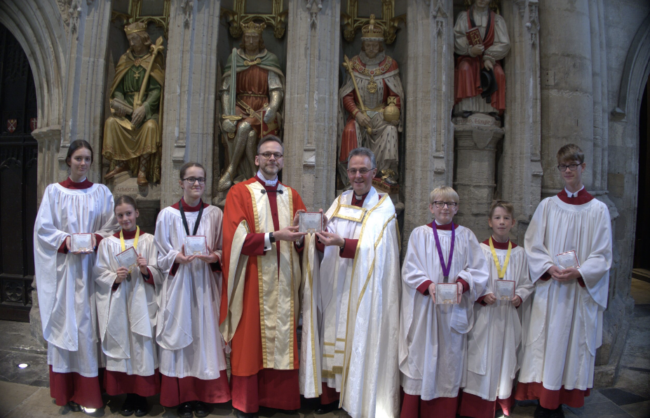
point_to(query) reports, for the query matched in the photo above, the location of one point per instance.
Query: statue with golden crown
(370, 104)
(251, 98)
(132, 134)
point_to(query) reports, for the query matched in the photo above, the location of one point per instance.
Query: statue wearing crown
(251, 98)
(132, 134)
(370, 104)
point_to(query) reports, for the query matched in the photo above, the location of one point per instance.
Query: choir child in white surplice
(66, 291)
(126, 274)
(495, 340)
(569, 248)
(444, 273)
(192, 359)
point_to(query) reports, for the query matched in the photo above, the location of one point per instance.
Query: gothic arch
(40, 30)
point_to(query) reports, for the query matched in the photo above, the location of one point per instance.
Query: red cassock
(467, 74)
(252, 385)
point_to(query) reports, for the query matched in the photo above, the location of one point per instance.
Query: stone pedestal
(476, 140)
(147, 198)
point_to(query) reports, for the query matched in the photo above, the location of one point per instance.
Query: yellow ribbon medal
(137, 235)
(501, 272)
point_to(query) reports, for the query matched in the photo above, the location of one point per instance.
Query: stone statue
(481, 42)
(132, 135)
(370, 103)
(251, 103)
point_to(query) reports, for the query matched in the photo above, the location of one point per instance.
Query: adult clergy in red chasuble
(481, 42)
(260, 302)
(375, 124)
(252, 107)
(132, 135)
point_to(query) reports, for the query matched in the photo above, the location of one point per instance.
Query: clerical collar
(69, 184)
(499, 245)
(581, 197)
(372, 61)
(574, 194)
(127, 234)
(188, 208)
(263, 180)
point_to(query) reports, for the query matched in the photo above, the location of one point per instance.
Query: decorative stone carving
(251, 99)
(314, 7)
(440, 16)
(187, 7)
(370, 104)
(74, 13)
(132, 135)
(481, 41)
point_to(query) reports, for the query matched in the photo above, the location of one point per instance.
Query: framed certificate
(196, 245)
(310, 222)
(567, 260)
(127, 258)
(505, 289)
(447, 294)
(81, 243)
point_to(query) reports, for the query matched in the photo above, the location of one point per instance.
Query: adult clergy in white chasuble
(370, 105)
(251, 103)
(350, 301)
(481, 43)
(132, 135)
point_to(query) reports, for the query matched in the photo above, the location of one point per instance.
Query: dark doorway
(18, 171)
(642, 243)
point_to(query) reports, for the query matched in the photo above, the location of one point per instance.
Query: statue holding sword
(251, 100)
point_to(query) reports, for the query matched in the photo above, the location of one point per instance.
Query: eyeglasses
(268, 155)
(362, 171)
(572, 167)
(441, 205)
(192, 180)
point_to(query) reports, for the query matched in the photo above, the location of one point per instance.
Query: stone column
(520, 170)
(477, 138)
(567, 86)
(190, 93)
(311, 100)
(85, 80)
(429, 100)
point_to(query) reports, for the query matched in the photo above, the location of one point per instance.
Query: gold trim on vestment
(337, 370)
(327, 374)
(372, 266)
(347, 328)
(312, 325)
(330, 344)
(340, 339)
(293, 285)
(349, 218)
(328, 356)
(236, 283)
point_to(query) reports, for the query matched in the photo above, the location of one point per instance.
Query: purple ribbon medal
(445, 268)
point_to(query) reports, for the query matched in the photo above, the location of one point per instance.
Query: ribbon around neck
(445, 268)
(198, 218)
(501, 272)
(135, 241)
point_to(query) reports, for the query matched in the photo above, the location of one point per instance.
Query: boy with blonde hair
(444, 272)
(569, 248)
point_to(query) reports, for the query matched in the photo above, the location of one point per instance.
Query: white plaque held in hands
(447, 294)
(196, 245)
(81, 243)
(128, 259)
(310, 222)
(567, 260)
(505, 289)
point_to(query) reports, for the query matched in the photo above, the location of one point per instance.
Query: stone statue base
(476, 139)
(147, 198)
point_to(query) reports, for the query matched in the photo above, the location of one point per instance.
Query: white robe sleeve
(596, 267)
(476, 272)
(539, 258)
(166, 251)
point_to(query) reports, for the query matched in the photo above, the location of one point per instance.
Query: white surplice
(493, 342)
(66, 291)
(187, 326)
(351, 310)
(566, 319)
(433, 338)
(127, 315)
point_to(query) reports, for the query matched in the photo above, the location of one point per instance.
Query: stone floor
(25, 392)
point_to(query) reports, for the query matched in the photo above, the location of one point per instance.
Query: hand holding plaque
(81, 243)
(567, 260)
(505, 290)
(447, 294)
(195, 245)
(310, 222)
(127, 259)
